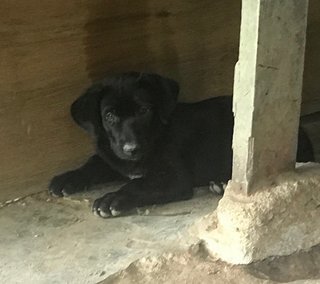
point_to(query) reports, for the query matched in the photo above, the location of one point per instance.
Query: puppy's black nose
(130, 149)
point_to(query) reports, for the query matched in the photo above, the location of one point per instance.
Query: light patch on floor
(48, 240)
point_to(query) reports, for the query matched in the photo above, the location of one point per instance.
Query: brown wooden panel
(195, 42)
(51, 50)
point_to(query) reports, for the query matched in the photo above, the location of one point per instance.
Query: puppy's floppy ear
(86, 109)
(166, 91)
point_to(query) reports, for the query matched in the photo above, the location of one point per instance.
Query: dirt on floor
(44, 240)
(196, 267)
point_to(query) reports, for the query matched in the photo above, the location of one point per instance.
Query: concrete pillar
(283, 216)
(267, 89)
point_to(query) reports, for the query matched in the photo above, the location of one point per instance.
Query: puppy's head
(128, 110)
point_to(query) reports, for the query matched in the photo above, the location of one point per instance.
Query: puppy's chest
(136, 172)
(135, 175)
(132, 170)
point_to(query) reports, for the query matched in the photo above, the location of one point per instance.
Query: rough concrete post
(284, 216)
(267, 89)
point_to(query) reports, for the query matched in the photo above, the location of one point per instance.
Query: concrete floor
(45, 240)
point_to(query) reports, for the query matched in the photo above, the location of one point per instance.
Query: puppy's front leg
(94, 171)
(156, 188)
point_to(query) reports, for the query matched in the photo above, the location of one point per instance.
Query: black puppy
(162, 148)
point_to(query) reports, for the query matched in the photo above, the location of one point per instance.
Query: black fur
(162, 148)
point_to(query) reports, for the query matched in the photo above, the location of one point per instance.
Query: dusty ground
(195, 267)
(45, 240)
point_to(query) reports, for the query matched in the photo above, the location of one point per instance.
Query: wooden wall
(51, 50)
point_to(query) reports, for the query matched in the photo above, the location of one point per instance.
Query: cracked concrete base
(278, 220)
(44, 240)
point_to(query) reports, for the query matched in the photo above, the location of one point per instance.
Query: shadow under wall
(311, 86)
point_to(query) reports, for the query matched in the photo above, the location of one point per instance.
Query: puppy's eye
(144, 110)
(110, 117)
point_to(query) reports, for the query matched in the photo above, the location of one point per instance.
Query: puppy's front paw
(67, 183)
(217, 187)
(111, 205)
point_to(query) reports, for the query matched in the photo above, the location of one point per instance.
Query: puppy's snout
(130, 149)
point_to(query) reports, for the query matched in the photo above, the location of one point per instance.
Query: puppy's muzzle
(131, 149)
